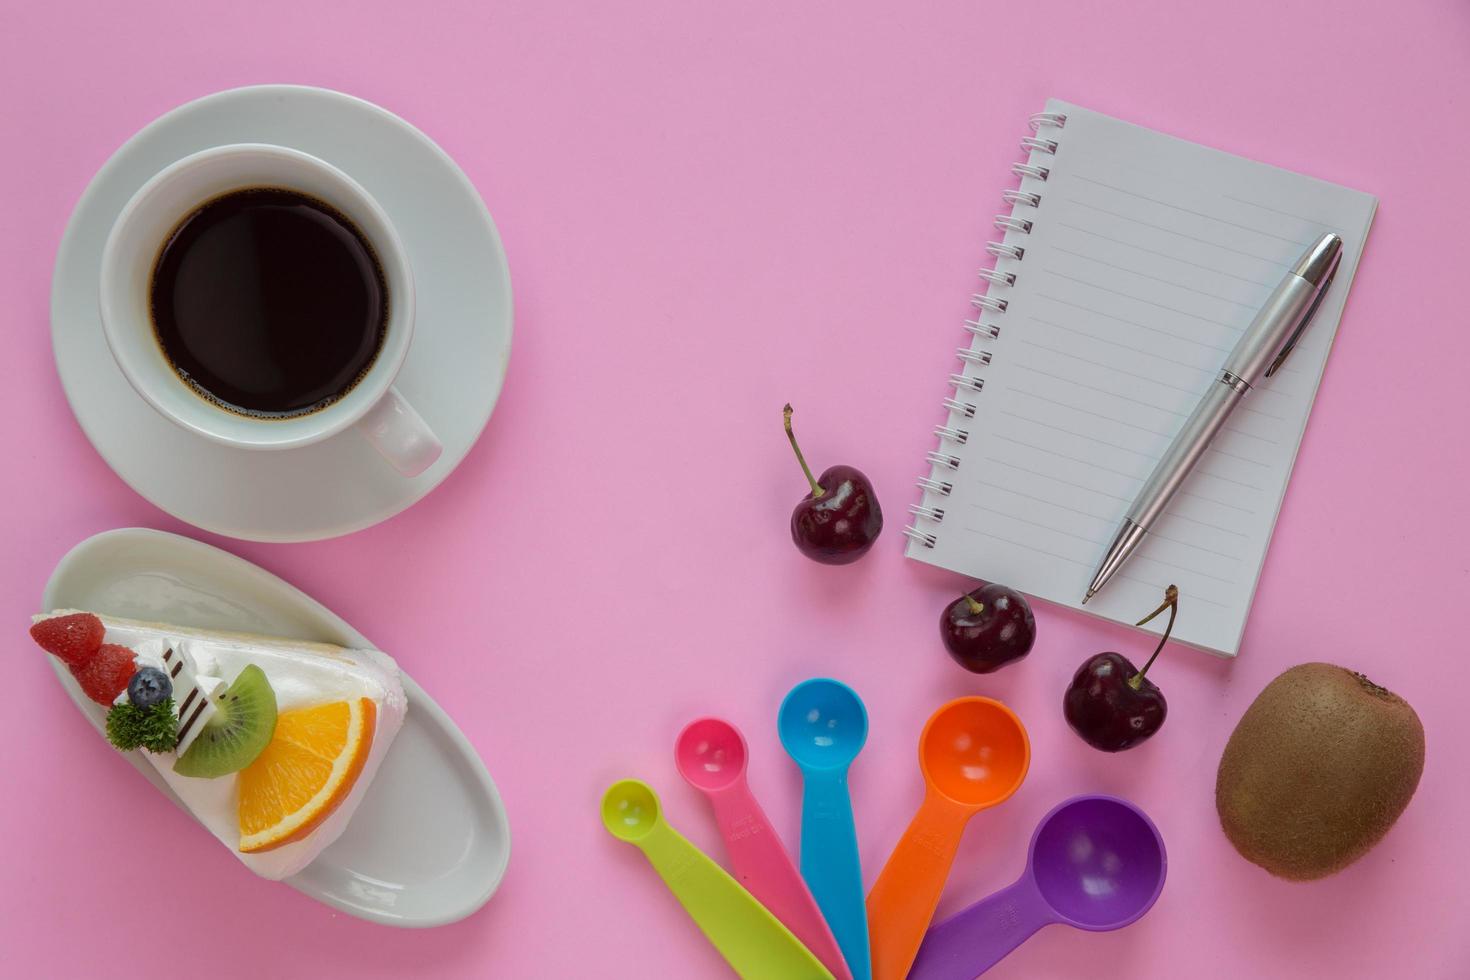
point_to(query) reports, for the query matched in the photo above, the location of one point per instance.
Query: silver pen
(1259, 353)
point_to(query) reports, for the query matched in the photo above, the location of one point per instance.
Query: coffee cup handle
(401, 434)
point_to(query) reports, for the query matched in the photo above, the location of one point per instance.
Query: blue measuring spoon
(823, 726)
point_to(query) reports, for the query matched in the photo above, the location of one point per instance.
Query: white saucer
(454, 370)
(430, 841)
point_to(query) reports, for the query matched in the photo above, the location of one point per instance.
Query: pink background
(709, 211)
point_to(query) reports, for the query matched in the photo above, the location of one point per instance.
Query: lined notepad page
(1147, 258)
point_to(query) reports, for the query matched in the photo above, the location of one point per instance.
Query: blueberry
(149, 686)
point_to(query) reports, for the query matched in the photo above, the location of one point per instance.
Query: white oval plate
(430, 841)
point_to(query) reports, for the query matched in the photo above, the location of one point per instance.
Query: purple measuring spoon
(1096, 863)
(711, 756)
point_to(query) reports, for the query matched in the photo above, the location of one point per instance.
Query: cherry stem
(817, 491)
(1171, 603)
(976, 608)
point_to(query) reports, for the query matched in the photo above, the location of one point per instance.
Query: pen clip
(1306, 319)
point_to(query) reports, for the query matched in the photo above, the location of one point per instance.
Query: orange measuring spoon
(973, 754)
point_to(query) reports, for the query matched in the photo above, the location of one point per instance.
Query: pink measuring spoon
(711, 756)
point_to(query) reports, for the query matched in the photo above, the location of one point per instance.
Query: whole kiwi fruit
(1320, 766)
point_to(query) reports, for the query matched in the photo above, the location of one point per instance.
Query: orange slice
(307, 770)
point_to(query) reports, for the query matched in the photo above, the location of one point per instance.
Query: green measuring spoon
(750, 938)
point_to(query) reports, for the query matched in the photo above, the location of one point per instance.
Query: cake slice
(269, 742)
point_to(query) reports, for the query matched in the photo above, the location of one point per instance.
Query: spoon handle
(761, 864)
(750, 938)
(902, 902)
(830, 864)
(976, 938)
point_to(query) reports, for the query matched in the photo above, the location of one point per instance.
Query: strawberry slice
(73, 639)
(106, 675)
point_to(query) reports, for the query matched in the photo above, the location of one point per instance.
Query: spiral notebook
(1130, 262)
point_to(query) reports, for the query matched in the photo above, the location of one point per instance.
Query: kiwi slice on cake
(241, 727)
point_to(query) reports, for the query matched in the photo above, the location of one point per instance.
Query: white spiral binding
(965, 381)
(1039, 119)
(1006, 222)
(967, 409)
(952, 433)
(940, 487)
(935, 514)
(1013, 226)
(943, 459)
(927, 540)
(991, 330)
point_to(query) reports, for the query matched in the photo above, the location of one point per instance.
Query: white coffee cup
(133, 246)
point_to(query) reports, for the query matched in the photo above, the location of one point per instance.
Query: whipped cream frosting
(301, 674)
(196, 682)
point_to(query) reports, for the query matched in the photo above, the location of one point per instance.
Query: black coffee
(269, 303)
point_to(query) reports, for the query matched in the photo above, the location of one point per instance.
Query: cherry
(838, 521)
(988, 628)
(1112, 706)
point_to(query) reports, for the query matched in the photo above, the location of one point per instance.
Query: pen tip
(1090, 594)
